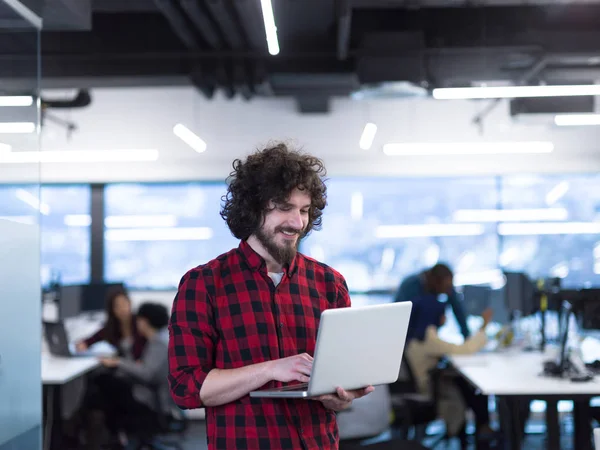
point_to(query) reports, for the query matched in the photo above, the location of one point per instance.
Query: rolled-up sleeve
(192, 339)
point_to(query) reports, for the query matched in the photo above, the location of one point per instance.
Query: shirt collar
(257, 262)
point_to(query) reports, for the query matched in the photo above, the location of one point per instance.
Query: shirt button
(280, 324)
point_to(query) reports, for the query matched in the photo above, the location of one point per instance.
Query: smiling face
(284, 225)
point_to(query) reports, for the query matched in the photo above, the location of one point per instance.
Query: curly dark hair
(271, 174)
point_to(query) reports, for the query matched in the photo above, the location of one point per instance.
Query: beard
(282, 253)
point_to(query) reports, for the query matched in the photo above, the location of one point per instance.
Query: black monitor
(589, 309)
(95, 295)
(519, 293)
(476, 299)
(69, 304)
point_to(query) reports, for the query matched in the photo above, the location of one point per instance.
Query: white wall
(20, 331)
(144, 118)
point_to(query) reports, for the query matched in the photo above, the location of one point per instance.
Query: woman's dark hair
(271, 174)
(113, 327)
(155, 313)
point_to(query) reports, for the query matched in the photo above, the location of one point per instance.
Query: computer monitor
(476, 299)
(588, 306)
(69, 304)
(519, 293)
(95, 295)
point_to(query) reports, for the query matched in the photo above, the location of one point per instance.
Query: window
(63, 212)
(154, 233)
(560, 236)
(377, 230)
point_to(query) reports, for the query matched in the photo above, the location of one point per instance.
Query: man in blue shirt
(437, 280)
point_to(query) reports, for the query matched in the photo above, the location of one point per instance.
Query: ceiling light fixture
(16, 100)
(468, 93)
(270, 27)
(367, 137)
(83, 156)
(466, 148)
(189, 137)
(574, 120)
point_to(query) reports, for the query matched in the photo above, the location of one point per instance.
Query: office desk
(514, 376)
(57, 372)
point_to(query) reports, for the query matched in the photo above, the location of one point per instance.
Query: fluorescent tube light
(17, 127)
(156, 221)
(4, 148)
(189, 137)
(428, 230)
(26, 220)
(77, 220)
(557, 192)
(494, 277)
(544, 228)
(466, 93)
(16, 100)
(368, 135)
(83, 156)
(159, 234)
(270, 27)
(510, 215)
(33, 201)
(572, 120)
(466, 148)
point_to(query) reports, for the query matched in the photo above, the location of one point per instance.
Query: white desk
(518, 373)
(514, 377)
(58, 370)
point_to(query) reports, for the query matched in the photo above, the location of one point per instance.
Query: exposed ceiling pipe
(344, 10)
(178, 23)
(202, 23)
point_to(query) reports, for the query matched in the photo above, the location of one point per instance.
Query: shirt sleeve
(152, 361)
(459, 312)
(99, 336)
(192, 338)
(343, 294)
(438, 347)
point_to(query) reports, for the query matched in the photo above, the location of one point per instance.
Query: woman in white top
(424, 350)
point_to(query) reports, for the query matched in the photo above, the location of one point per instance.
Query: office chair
(413, 410)
(152, 433)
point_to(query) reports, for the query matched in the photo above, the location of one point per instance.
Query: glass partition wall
(20, 321)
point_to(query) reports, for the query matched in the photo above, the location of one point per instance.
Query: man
(248, 319)
(437, 280)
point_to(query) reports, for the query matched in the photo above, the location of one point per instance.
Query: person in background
(248, 319)
(120, 329)
(437, 280)
(424, 349)
(131, 392)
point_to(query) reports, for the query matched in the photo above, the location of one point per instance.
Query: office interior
(119, 122)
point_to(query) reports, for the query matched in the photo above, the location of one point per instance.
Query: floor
(196, 437)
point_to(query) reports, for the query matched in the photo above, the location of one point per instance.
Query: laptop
(58, 342)
(356, 347)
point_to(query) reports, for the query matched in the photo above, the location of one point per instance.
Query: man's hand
(343, 399)
(109, 362)
(292, 368)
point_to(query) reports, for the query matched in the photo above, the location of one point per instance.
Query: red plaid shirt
(228, 314)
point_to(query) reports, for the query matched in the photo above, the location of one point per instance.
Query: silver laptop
(356, 347)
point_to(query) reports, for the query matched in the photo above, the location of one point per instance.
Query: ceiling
(329, 48)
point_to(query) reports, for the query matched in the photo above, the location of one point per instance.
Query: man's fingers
(343, 395)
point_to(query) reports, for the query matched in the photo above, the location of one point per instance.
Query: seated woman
(120, 329)
(424, 349)
(134, 390)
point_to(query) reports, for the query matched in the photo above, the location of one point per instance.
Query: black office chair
(413, 410)
(153, 433)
